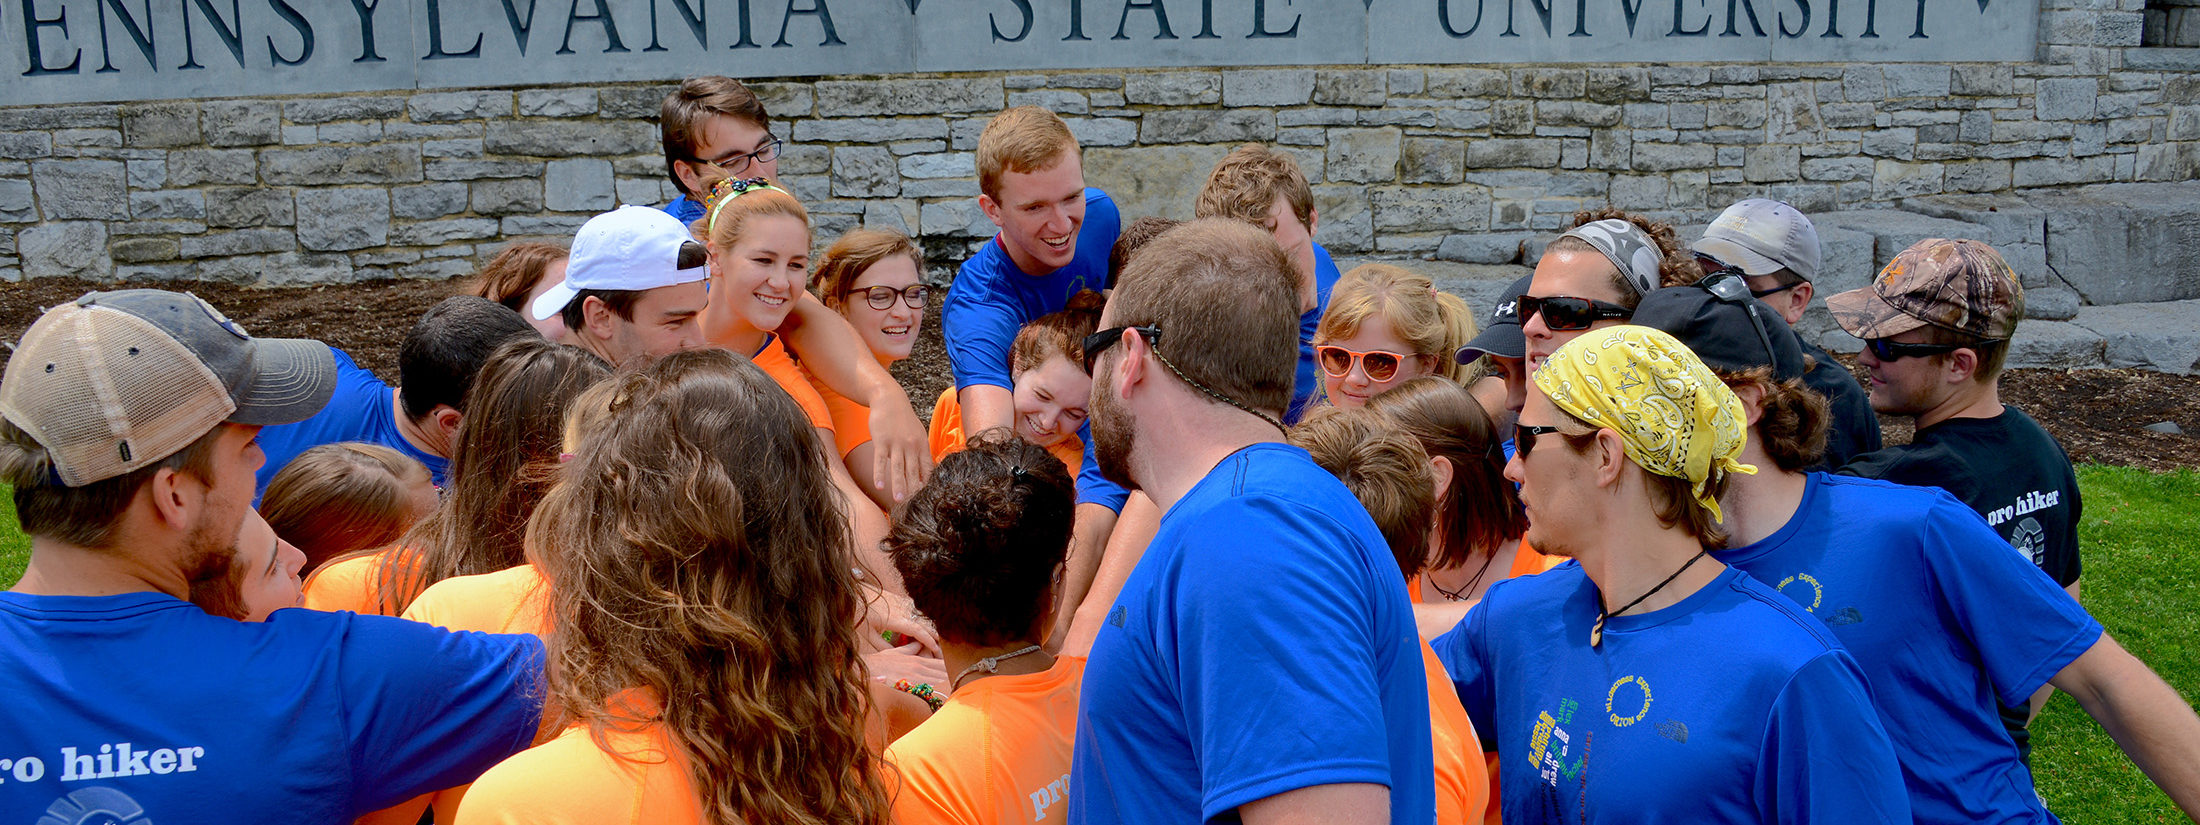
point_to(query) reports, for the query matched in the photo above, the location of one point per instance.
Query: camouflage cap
(1958, 285)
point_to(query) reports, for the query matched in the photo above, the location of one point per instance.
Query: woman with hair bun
(1386, 325)
(980, 547)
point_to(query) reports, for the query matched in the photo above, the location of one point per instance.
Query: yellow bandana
(1676, 418)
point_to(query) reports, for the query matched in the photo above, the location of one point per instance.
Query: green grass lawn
(2142, 547)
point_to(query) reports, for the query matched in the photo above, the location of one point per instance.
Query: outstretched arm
(833, 352)
(2154, 725)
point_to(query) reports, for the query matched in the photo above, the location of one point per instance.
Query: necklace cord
(1596, 632)
(990, 664)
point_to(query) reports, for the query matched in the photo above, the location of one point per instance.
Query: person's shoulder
(985, 266)
(478, 602)
(1873, 495)
(567, 779)
(1912, 463)
(953, 736)
(1095, 196)
(1783, 630)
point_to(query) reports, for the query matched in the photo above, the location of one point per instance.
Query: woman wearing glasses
(1385, 326)
(1053, 385)
(875, 279)
(1593, 276)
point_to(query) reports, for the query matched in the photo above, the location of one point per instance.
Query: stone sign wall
(71, 51)
(1462, 163)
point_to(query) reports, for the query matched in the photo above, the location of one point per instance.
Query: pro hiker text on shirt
(106, 761)
(73, 51)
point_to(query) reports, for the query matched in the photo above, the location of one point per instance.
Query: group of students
(1205, 529)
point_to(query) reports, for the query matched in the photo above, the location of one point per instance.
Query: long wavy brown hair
(504, 460)
(697, 552)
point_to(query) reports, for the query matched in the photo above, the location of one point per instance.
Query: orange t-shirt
(353, 584)
(570, 779)
(776, 362)
(947, 434)
(507, 601)
(998, 752)
(851, 420)
(1462, 770)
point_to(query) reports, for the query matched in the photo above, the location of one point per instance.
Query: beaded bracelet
(922, 691)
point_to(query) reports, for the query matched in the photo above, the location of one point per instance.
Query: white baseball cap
(628, 248)
(1762, 237)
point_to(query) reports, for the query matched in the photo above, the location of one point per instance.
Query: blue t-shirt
(1944, 618)
(684, 208)
(992, 298)
(1094, 488)
(144, 706)
(1731, 706)
(1308, 384)
(363, 409)
(1262, 645)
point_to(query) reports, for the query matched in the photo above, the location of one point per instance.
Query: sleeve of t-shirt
(1092, 486)
(979, 323)
(1825, 758)
(427, 709)
(1249, 658)
(2025, 627)
(1463, 651)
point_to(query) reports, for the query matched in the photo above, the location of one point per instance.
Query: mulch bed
(2098, 415)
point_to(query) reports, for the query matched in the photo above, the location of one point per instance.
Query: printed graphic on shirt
(95, 806)
(1807, 592)
(2027, 535)
(1048, 796)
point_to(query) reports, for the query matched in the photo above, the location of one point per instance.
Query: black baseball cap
(1726, 327)
(1501, 336)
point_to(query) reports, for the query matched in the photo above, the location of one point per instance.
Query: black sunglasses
(1886, 350)
(1524, 438)
(1106, 338)
(882, 297)
(1564, 313)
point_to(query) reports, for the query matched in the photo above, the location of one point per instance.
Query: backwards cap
(1677, 419)
(116, 381)
(629, 248)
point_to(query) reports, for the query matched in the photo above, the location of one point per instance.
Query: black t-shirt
(1854, 429)
(2008, 469)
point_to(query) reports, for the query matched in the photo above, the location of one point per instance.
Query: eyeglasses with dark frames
(882, 297)
(1565, 313)
(738, 162)
(1713, 266)
(1886, 350)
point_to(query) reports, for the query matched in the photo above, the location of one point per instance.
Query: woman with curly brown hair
(705, 645)
(1592, 277)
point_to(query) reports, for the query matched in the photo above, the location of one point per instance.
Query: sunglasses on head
(1106, 338)
(1713, 266)
(1381, 365)
(1565, 313)
(882, 297)
(1886, 350)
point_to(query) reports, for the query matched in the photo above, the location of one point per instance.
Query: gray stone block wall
(1464, 164)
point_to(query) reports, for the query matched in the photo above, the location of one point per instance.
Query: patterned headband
(1627, 247)
(726, 190)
